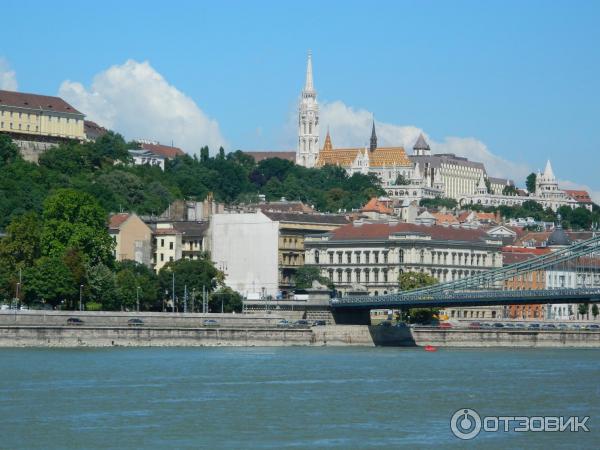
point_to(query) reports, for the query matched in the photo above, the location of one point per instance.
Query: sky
(510, 84)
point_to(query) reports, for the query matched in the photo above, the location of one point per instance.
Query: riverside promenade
(107, 329)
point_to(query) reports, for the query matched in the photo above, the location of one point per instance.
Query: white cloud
(351, 127)
(135, 100)
(8, 77)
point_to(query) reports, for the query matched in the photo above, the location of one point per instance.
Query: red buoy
(430, 348)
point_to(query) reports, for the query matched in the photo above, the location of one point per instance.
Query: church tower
(373, 142)
(308, 122)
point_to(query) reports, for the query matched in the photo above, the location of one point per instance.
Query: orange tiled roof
(116, 220)
(441, 218)
(580, 196)
(374, 205)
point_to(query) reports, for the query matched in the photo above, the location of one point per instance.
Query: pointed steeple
(373, 143)
(548, 173)
(481, 186)
(327, 146)
(308, 85)
(421, 147)
(417, 176)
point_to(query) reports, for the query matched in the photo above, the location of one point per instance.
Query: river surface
(272, 398)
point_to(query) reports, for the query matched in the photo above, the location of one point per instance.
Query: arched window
(316, 256)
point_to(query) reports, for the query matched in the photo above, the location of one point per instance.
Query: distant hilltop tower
(308, 121)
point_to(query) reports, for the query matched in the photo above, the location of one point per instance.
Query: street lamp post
(137, 298)
(81, 297)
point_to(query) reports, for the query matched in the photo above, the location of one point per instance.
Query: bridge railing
(479, 295)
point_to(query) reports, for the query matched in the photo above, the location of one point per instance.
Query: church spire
(373, 143)
(308, 85)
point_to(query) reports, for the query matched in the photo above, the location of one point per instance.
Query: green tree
(401, 180)
(50, 281)
(8, 149)
(225, 300)
(595, 311)
(74, 219)
(305, 275)
(21, 245)
(135, 280)
(102, 288)
(509, 190)
(415, 280)
(582, 309)
(448, 203)
(195, 274)
(530, 182)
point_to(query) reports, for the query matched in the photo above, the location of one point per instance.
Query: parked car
(519, 325)
(575, 327)
(498, 325)
(562, 326)
(509, 325)
(533, 326)
(210, 323)
(319, 323)
(445, 325)
(486, 325)
(548, 326)
(135, 322)
(74, 321)
(301, 323)
(283, 323)
(475, 325)
(592, 327)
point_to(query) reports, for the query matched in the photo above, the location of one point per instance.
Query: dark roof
(163, 150)
(93, 130)
(445, 158)
(558, 237)
(284, 206)
(421, 143)
(369, 231)
(329, 219)
(259, 156)
(504, 181)
(191, 228)
(35, 101)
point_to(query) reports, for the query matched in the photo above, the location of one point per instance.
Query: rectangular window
(162, 256)
(330, 257)
(170, 245)
(162, 242)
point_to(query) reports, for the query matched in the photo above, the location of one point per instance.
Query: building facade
(373, 255)
(38, 122)
(133, 238)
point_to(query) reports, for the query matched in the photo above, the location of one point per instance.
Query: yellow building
(37, 122)
(133, 238)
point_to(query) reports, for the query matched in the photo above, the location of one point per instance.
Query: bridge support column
(351, 316)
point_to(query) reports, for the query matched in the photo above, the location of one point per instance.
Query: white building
(308, 122)
(245, 247)
(142, 157)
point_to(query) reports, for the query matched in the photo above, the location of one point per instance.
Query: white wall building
(245, 247)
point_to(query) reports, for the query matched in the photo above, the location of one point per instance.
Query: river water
(272, 398)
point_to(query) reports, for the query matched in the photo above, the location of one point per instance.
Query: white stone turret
(481, 187)
(308, 121)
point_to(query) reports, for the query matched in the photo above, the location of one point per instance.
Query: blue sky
(520, 79)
